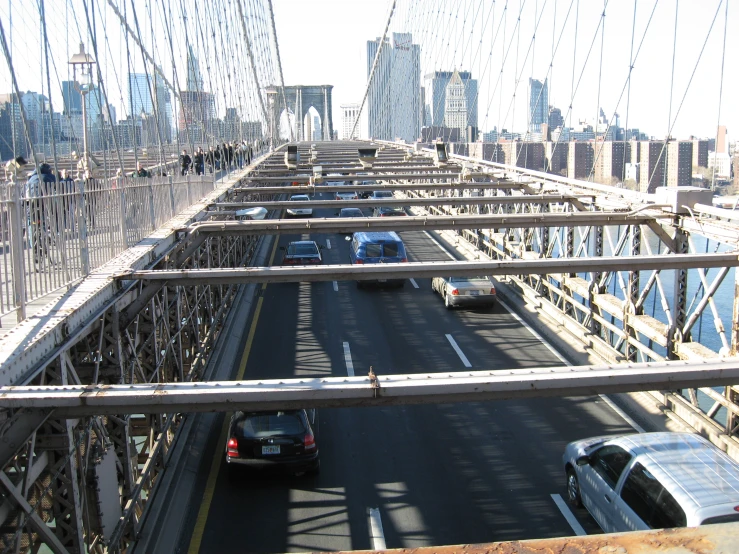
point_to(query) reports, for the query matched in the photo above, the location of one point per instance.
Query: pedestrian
(66, 192)
(210, 159)
(141, 171)
(41, 183)
(217, 156)
(185, 162)
(199, 161)
(230, 150)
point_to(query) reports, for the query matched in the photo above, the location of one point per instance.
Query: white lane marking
(638, 428)
(348, 360)
(413, 282)
(328, 244)
(437, 243)
(458, 350)
(376, 533)
(569, 516)
(564, 360)
(336, 286)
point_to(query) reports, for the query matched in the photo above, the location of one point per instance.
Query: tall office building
(349, 114)
(139, 94)
(538, 104)
(435, 96)
(555, 119)
(722, 145)
(394, 98)
(141, 102)
(455, 109)
(72, 98)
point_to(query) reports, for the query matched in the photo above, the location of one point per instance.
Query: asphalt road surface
(406, 476)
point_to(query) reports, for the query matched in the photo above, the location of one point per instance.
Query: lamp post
(85, 62)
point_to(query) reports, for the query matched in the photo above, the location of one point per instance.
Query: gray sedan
(465, 291)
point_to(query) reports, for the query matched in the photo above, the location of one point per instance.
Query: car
(381, 194)
(251, 213)
(377, 248)
(387, 211)
(300, 211)
(302, 252)
(465, 291)
(350, 212)
(279, 439)
(652, 481)
(366, 193)
(348, 195)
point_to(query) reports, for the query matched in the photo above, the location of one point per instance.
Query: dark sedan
(386, 211)
(274, 439)
(302, 252)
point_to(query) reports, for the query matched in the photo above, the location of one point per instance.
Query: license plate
(474, 292)
(270, 450)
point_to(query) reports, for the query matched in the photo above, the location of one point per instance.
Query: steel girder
(290, 274)
(333, 392)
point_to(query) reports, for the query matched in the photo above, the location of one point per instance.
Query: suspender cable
(374, 67)
(720, 96)
(254, 68)
(279, 61)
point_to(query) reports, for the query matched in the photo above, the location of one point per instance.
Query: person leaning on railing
(41, 183)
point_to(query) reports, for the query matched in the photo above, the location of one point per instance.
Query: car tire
(447, 302)
(573, 489)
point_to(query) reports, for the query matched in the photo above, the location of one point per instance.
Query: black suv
(281, 439)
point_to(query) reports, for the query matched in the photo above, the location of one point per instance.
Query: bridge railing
(56, 234)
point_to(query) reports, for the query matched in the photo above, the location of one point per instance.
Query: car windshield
(299, 197)
(383, 194)
(267, 424)
(468, 279)
(351, 212)
(302, 250)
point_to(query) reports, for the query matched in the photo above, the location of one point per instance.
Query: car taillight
(492, 290)
(455, 292)
(233, 448)
(403, 260)
(309, 441)
(315, 261)
(359, 261)
(288, 261)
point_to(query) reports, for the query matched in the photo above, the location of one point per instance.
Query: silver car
(652, 481)
(465, 291)
(300, 211)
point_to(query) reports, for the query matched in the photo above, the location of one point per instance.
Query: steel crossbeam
(334, 392)
(312, 189)
(418, 223)
(289, 274)
(431, 201)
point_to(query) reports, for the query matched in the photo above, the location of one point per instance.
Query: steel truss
(141, 332)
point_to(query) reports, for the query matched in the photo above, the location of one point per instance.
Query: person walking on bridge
(199, 161)
(185, 162)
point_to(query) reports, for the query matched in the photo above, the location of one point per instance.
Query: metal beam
(312, 189)
(416, 223)
(370, 203)
(332, 392)
(16, 431)
(344, 272)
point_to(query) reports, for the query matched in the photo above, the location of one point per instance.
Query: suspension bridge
(151, 150)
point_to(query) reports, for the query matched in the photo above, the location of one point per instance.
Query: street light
(85, 62)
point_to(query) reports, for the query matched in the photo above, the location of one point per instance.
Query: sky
(584, 56)
(324, 42)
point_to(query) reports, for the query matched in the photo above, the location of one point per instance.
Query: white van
(652, 481)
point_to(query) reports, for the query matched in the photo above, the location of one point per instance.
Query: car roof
(299, 196)
(689, 463)
(302, 242)
(351, 210)
(382, 192)
(377, 236)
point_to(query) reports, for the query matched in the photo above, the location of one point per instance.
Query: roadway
(432, 475)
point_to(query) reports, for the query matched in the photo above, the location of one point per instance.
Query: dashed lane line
(413, 282)
(336, 286)
(348, 360)
(458, 350)
(376, 533)
(569, 516)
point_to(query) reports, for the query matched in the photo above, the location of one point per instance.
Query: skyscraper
(139, 94)
(349, 114)
(538, 104)
(394, 99)
(72, 98)
(436, 87)
(455, 106)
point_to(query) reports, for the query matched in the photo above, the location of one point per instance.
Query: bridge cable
(279, 61)
(374, 66)
(720, 99)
